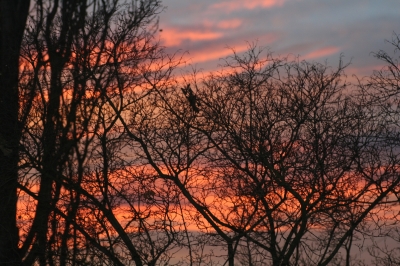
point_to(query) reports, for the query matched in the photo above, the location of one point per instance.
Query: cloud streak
(176, 36)
(234, 5)
(312, 29)
(322, 53)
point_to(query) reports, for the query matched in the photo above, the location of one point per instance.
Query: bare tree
(277, 154)
(306, 150)
(78, 203)
(381, 98)
(271, 160)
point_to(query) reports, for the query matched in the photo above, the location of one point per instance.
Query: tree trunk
(13, 15)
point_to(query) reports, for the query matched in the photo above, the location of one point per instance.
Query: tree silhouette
(13, 15)
(77, 56)
(272, 160)
(283, 160)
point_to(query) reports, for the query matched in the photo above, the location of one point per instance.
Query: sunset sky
(316, 30)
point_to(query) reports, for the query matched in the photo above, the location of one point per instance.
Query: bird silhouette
(191, 97)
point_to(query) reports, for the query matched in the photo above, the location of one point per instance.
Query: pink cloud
(248, 4)
(174, 37)
(327, 51)
(210, 53)
(214, 54)
(229, 24)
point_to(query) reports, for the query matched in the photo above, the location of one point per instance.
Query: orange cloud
(174, 37)
(322, 52)
(248, 4)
